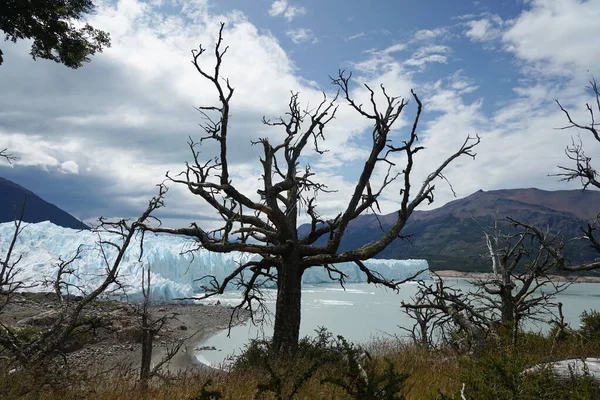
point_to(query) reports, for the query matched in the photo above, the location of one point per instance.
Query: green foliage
(499, 376)
(287, 376)
(368, 383)
(51, 26)
(590, 325)
(26, 333)
(358, 376)
(207, 394)
(321, 349)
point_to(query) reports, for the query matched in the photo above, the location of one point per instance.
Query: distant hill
(450, 237)
(36, 209)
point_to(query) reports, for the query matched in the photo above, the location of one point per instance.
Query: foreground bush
(328, 367)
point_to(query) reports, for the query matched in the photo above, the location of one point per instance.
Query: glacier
(174, 273)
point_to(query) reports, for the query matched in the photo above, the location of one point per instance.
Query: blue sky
(96, 140)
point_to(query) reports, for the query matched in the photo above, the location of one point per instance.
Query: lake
(364, 312)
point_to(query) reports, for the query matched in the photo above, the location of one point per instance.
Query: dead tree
(456, 311)
(148, 332)
(429, 321)
(584, 171)
(50, 341)
(9, 269)
(268, 226)
(150, 328)
(518, 288)
(520, 266)
(64, 269)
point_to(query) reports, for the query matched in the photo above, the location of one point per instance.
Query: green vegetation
(329, 367)
(52, 25)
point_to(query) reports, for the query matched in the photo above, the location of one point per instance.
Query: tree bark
(286, 331)
(507, 317)
(147, 339)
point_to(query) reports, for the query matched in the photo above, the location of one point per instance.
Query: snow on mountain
(174, 272)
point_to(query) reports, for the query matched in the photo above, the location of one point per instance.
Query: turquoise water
(364, 312)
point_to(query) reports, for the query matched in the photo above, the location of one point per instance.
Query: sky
(95, 141)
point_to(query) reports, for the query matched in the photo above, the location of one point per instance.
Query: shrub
(590, 325)
(207, 394)
(368, 383)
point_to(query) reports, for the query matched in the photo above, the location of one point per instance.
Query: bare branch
(267, 225)
(10, 158)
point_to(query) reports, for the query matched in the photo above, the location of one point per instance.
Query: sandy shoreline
(485, 275)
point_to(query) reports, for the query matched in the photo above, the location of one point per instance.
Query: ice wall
(173, 274)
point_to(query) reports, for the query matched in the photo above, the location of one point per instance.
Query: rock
(183, 328)
(566, 369)
(206, 348)
(45, 318)
(130, 334)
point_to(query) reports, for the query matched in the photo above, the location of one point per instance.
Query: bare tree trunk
(286, 331)
(147, 335)
(424, 330)
(507, 306)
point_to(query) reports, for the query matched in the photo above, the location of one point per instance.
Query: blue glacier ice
(174, 273)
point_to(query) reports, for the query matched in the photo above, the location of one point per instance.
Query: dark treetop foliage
(55, 27)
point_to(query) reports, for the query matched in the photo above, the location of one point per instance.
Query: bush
(322, 349)
(590, 325)
(208, 394)
(499, 376)
(337, 362)
(285, 376)
(368, 383)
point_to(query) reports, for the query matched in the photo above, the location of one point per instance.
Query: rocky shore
(115, 343)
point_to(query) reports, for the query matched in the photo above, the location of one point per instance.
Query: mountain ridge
(36, 209)
(451, 236)
(448, 237)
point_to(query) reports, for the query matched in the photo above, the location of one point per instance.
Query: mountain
(36, 209)
(451, 237)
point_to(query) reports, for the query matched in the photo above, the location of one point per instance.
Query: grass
(324, 370)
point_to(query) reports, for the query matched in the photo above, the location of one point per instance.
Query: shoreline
(449, 273)
(185, 359)
(116, 344)
(200, 327)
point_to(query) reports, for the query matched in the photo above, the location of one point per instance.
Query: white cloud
(430, 49)
(284, 9)
(482, 30)
(420, 62)
(302, 35)
(557, 37)
(293, 11)
(379, 60)
(394, 48)
(116, 125)
(70, 167)
(428, 54)
(357, 36)
(278, 7)
(428, 34)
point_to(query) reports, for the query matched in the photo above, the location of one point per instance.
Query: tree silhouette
(269, 226)
(52, 26)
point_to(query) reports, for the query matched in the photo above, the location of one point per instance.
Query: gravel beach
(116, 343)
